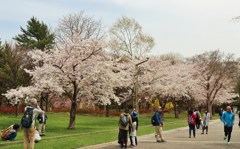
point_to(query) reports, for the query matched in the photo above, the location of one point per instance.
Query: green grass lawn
(88, 130)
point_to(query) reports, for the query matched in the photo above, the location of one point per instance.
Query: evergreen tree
(12, 74)
(37, 35)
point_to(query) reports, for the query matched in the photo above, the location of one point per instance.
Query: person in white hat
(29, 131)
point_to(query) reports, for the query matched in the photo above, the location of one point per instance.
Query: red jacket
(194, 117)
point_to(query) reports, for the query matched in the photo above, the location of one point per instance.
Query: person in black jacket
(134, 116)
(42, 118)
(239, 118)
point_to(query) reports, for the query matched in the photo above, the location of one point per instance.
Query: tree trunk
(210, 110)
(175, 108)
(17, 109)
(107, 110)
(41, 101)
(163, 103)
(73, 107)
(47, 102)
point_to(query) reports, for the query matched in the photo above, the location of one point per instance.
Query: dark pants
(198, 122)
(191, 128)
(205, 127)
(11, 136)
(123, 137)
(228, 132)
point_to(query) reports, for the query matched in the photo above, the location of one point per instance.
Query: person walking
(133, 134)
(198, 118)
(228, 119)
(134, 116)
(125, 121)
(206, 119)
(28, 123)
(158, 123)
(42, 118)
(192, 123)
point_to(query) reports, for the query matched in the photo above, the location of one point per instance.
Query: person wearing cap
(133, 131)
(158, 125)
(29, 133)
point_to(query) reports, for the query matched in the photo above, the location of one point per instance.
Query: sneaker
(202, 133)
(225, 138)
(163, 141)
(159, 141)
(228, 143)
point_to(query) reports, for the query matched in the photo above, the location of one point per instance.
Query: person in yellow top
(125, 121)
(198, 118)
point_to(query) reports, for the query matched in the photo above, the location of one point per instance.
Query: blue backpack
(26, 120)
(154, 120)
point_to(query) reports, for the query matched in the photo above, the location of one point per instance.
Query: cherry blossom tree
(74, 70)
(168, 80)
(215, 77)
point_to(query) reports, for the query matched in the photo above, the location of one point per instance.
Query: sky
(187, 27)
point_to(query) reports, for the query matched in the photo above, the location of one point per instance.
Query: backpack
(154, 120)
(124, 120)
(26, 120)
(5, 133)
(197, 114)
(190, 119)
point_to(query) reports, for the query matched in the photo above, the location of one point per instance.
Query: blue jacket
(158, 118)
(228, 118)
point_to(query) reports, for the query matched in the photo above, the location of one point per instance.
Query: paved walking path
(178, 139)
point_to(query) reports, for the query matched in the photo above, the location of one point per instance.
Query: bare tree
(78, 25)
(127, 39)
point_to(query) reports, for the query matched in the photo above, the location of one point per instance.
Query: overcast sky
(187, 27)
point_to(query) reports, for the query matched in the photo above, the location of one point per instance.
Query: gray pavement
(178, 139)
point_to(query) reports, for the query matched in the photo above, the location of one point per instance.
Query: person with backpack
(191, 123)
(228, 119)
(28, 123)
(42, 118)
(198, 118)
(158, 123)
(125, 121)
(10, 133)
(206, 119)
(133, 137)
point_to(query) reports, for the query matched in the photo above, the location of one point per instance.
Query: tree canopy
(36, 35)
(128, 39)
